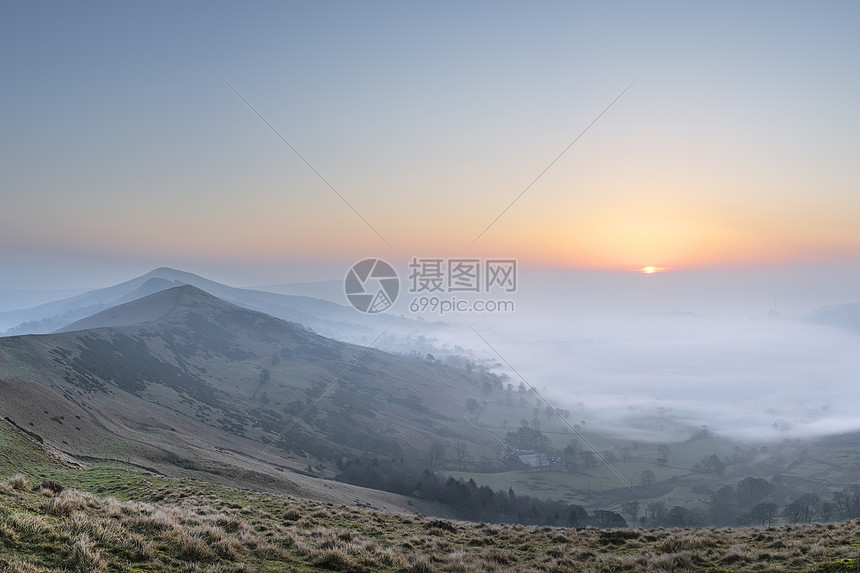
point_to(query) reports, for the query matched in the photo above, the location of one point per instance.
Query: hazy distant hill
(325, 317)
(846, 316)
(181, 381)
(12, 299)
(330, 290)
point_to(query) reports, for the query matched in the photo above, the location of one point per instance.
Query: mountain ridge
(189, 384)
(328, 318)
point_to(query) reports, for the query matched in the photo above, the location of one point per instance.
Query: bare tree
(764, 513)
(656, 511)
(461, 453)
(803, 509)
(435, 455)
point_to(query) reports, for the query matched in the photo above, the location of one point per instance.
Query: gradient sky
(123, 148)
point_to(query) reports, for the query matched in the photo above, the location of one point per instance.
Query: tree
(656, 511)
(435, 455)
(588, 458)
(569, 454)
(751, 490)
(803, 509)
(847, 502)
(721, 505)
(526, 438)
(461, 453)
(471, 405)
(826, 511)
(680, 516)
(631, 508)
(763, 513)
(647, 477)
(604, 518)
(713, 464)
(793, 512)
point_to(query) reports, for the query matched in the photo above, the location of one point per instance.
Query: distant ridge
(845, 316)
(149, 309)
(323, 316)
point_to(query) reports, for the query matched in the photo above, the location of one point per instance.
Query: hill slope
(184, 383)
(153, 524)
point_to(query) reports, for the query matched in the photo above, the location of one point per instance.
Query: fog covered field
(742, 352)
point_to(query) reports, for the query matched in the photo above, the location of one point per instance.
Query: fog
(658, 356)
(654, 356)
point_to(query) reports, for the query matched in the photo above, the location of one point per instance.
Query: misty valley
(158, 391)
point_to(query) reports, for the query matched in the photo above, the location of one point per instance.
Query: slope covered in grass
(155, 524)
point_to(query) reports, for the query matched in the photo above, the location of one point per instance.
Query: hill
(185, 384)
(182, 384)
(845, 316)
(110, 517)
(325, 317)
(140, 523)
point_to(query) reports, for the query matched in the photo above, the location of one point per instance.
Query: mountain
(11, 299)
(327, 318)
(185, 383)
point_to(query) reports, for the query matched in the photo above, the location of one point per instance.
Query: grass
(195, 526)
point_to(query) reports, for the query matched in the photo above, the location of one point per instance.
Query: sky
(262, 143)
(124, 146)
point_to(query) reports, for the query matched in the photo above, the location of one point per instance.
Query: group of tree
(748, 504)
(468, 500)
(744, 504)
(843, 504)
(528, 438)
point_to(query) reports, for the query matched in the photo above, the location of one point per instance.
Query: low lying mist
(657, 357)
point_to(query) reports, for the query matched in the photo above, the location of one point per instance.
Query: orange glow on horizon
(652, 270)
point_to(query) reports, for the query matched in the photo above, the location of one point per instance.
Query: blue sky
(123, 148)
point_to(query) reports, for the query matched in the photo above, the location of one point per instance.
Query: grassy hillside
(61, 514)
(55, 518)
(183, 383)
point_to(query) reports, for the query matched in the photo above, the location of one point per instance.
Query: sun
(651, 270)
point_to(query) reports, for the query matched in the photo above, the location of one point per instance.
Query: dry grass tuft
(420, 565)
(17, 482)
(191, 546)
(86, 558)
